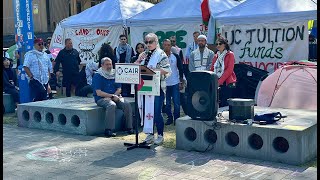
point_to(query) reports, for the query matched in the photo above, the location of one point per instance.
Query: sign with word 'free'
(183, 33)
(268, 46)
(127, 73)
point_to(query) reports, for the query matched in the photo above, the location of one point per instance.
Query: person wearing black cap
(10, 83)
(38, 67)
(70, 60)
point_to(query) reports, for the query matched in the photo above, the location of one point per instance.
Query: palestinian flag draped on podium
(149, 87)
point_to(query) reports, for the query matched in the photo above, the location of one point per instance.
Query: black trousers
(84, 91)
(14, 93)
(126, 90)
(38, 91)
(226, 92)
(183, 96)
(68, 81)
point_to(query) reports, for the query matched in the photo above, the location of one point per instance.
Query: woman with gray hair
(155, 59)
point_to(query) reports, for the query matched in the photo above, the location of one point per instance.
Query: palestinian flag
(205, 11)
(140, 85)
(146, 87)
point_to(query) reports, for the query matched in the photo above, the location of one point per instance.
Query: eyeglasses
(148, 42)
(219, 44)
(40, 44)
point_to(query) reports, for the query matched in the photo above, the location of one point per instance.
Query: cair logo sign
(128, 74)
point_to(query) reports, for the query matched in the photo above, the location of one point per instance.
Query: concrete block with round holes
(75, 115)
(292, 140)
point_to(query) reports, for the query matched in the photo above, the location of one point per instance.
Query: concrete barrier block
(8, 103)
(75, 115)
(291, 140)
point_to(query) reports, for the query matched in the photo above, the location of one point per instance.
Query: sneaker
(149, 139)
(159, 140)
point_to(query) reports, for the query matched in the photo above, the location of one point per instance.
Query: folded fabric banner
(148, 114)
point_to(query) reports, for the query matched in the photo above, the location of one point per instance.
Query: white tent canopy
(178, 11)
(262, 11)
(107, 13)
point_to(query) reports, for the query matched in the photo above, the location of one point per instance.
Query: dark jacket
(6, 80)
(70, 61)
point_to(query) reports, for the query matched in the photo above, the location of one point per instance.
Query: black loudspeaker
(202, 96)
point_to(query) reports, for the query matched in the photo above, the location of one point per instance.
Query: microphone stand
(137, 145)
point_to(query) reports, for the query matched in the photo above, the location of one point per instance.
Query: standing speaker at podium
(155, 59)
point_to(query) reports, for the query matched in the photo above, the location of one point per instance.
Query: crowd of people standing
(98, 77)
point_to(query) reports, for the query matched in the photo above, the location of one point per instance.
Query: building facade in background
(46, 13)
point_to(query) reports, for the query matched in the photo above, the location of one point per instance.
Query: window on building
(95, 2)
(78, 7)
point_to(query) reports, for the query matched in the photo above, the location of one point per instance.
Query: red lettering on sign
(262, 65)
(82, 32)
(57, 39)
(103, 32)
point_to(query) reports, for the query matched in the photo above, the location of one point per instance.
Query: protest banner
(268, 46)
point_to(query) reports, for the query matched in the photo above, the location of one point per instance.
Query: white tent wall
(103, 23)
(215, 9)
(178, 17)
(107, 13)
(265, 34)
(268, 46)
(87, 41)
(261, 11)
(183, 33)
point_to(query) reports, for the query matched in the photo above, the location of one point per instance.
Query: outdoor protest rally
(160, 89)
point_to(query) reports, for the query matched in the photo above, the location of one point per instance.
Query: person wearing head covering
(10, 82)
(38, 68)
(223, 66)
(200, 59)
(155, 59)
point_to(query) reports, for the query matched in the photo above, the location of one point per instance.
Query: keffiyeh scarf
(219, 64)
(121, 49)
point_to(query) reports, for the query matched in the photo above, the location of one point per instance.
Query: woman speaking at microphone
(223, 66)
(157, 60)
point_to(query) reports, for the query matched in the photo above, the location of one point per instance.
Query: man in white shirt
(191, 47)
(173, 83)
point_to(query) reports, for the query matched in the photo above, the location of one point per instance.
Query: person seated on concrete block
(10, 82)
(107, 94)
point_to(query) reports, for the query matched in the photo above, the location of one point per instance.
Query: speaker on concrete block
(202, 98)
(241, 109)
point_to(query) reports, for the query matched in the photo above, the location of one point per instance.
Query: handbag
(269, 118)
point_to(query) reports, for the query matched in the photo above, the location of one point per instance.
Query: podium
(131, 74)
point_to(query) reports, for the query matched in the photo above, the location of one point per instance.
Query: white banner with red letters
(268, 46)
(87, 41)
